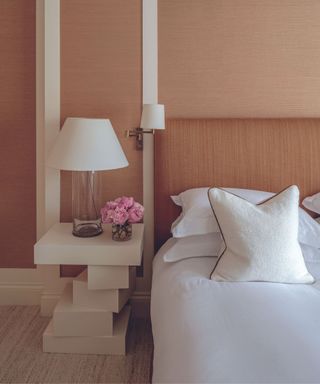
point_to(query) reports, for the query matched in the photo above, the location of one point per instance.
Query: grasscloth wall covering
(235, 58)
(101, 76)
(18, 133)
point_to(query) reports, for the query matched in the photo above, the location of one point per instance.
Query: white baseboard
(48, 303)
(20, 293)
(20, 286)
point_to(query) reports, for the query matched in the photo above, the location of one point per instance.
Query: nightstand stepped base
(101, 345)
(74, 320)
(112, 300)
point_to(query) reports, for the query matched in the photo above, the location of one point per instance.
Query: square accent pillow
(261, 241)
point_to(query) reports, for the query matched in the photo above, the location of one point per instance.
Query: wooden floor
(22, 359)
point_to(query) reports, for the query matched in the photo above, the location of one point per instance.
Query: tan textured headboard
(265, 154)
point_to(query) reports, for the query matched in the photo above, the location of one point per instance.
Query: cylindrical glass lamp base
(86, 203)
(87, 228)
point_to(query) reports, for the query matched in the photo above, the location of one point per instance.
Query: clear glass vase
(121, 232)
(86, 203)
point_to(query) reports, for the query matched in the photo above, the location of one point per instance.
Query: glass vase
(86, 203)
(121, 232)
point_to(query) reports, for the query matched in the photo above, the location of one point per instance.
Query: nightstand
(92, 314)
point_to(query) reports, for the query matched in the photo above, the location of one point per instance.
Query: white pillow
(197, 217)
(261, 240)
(310, 254)
(211, 244)
(194, 246)
(312, 203)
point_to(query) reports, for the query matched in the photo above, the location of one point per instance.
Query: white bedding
(225, 332)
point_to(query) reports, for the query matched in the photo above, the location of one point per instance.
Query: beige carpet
(22, 359)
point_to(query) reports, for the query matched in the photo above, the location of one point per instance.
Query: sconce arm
(138, 134)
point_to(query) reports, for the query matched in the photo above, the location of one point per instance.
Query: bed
(225, 332)
(211, 332)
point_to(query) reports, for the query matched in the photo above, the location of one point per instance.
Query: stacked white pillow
(197, 217)
(197, 220)
(312, 203)
(194, 246)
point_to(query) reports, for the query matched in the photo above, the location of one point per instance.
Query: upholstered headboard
(264, 154)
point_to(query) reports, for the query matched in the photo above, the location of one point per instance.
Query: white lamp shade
(153, 116)
(87, 145)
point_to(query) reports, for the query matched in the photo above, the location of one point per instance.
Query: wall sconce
(152, 118)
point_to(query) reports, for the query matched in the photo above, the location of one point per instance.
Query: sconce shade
(153, 116)
(87, 145)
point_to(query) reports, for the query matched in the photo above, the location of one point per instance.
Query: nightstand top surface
(59, 246)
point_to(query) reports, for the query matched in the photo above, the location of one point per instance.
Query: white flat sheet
(210, 332)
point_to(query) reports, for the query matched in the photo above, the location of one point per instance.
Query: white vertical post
(48, 126)
(52, 105)
(149, 96)
(48, 111)
(40, 132)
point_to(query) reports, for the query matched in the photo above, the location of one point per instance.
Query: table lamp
(85, 147)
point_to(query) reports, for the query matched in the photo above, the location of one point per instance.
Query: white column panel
(149, 96)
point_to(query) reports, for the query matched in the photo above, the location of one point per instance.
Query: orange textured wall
(18, 133)
(101, 76)
(235, 58)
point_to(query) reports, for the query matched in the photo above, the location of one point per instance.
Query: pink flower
(121, 210)
(120, 215)
(125, 202)
(135, 213)
(111, 205)
(106, 215)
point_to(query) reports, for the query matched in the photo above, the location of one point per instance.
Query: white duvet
(212, 332)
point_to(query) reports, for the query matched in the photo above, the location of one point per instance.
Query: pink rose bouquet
(121, 211)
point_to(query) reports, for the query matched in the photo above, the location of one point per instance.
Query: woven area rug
(22, 359)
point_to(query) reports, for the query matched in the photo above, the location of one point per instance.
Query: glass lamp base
(87, 228)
